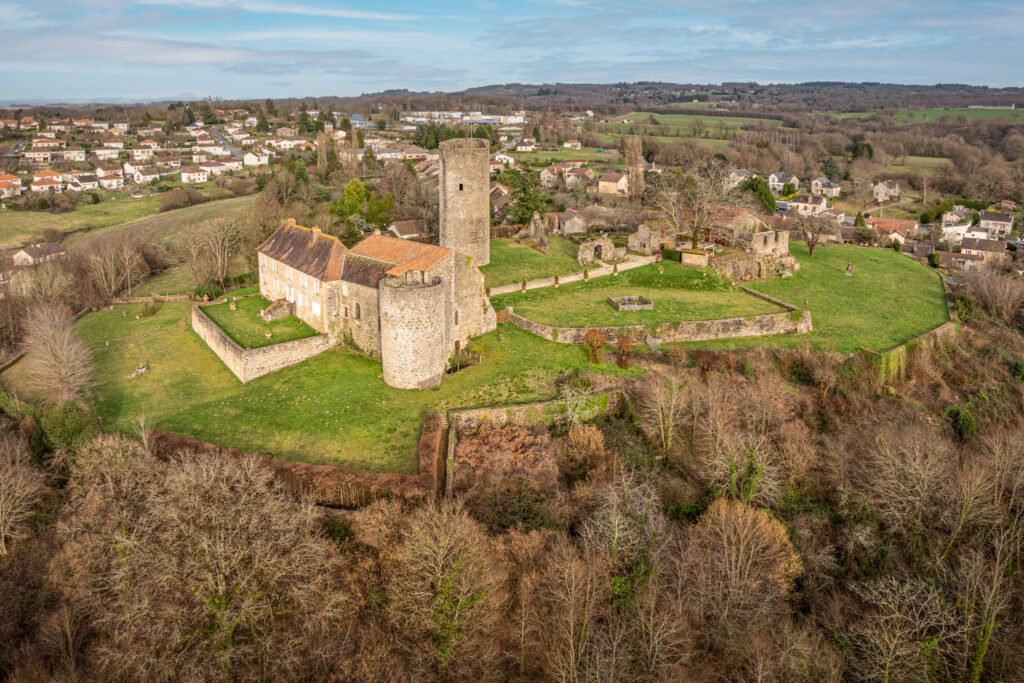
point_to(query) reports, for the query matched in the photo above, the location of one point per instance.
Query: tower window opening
(460, 187)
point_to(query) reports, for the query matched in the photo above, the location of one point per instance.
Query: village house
(256, 158)
(613, 184)
(824, 187)
(991, 251)
(885, 191)
(407, 230)
(106, 153)
(526, 145)
(10, 186)
(996, 224)
(212, 168)
(37, 156)
(48, 143)
(80, 182)
(193, 174)
(565, 223)
(896, 229)
(958, 215)
(46, 186)
(777, 181)
(71, 155)
(145, 174)
(111, 182)
(550, 176)
(738, 175)
(141, 153)
(37, 254)
(808, 204)
(285, 132)
(231, 164)
(506, 159)
(652, 237)
(572, 144)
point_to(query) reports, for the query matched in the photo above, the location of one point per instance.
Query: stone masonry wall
(465, 205)
(248, 364)
(414, 354)
(695, 330)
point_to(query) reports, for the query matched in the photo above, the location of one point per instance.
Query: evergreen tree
(262, 125)
(528, 195)
(270, 108)
(759, 188)
(859, 221)
(353, 198)
(831, 169)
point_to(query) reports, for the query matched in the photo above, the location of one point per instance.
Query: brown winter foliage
(765, 516)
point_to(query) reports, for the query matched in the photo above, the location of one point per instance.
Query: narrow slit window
(460, 187)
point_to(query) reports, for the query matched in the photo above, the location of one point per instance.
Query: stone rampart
(248, 364)
(791, 321)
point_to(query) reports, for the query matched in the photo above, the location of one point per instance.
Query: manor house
(412, 305)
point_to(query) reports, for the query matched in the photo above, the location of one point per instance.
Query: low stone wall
(156, 298)
(695, 257)
(248, 364)
(792, 321)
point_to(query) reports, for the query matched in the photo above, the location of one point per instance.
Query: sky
(189, 49)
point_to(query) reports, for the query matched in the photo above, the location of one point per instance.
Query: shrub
(934, 260)
(964, 308)
(66, 426)
(1017, 369)
(672, 254)
(148, 309)
(595, 341)
(963, 421)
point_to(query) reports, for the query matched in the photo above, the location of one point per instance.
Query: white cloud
(284, 8)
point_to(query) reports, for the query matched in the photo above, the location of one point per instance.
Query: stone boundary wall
(769, 299)
(691, 330)
(248, 364)
(156, 298)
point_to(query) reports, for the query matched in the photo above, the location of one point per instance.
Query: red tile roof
(402, 254)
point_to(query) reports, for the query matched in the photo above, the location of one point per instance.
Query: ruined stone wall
(788, 322)
(465, 198)
(749, 266)
(414, 354)
(248, 364)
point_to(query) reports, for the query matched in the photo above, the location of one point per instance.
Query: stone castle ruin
(412, 305)
(765, 254)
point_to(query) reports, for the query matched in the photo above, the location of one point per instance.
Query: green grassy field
(333, 408)
(889, 300)
(686, 121)
(553, 155)
(24, 227)
(514, 262)
(925, 165)
(933, 115)
(165, 226)
(678, 293)
(249, 330)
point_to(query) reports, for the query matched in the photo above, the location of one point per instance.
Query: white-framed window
(273, 266)
(302, 279)
(316, 287)
(288, 273)
(302, 300)
(316, 308)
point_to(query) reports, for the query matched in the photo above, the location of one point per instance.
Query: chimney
(315, 231)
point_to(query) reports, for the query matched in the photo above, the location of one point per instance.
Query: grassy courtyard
(333, 408)
(889, 300)
(249, 330)
(514, 262)
(678, 293)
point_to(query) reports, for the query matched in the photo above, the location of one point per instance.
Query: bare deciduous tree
(21, 489)
(814, 229)
(1002, 296)
(59, 364)
(660, 400)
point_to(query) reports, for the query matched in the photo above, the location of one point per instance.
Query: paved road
(635, 262)
(219, 136)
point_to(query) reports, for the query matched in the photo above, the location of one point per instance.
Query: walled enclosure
(248, 364)
(412, 338)
(465, 204)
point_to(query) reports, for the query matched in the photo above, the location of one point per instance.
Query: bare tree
(814, 229)
(445, 590)
(660, 400)
(695, 201)
(634, 158)
(59, 364)
(210, 248)
(1002, 296)
(21, 490)
(114, 265)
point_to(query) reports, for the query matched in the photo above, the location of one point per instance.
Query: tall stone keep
(465, 198)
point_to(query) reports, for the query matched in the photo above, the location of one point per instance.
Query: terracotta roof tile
(402, 254)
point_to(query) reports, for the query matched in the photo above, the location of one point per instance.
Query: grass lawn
(333, 408)
(686, 120)
(514, 262)
(249, 330)
(678, 293)
(889, 300)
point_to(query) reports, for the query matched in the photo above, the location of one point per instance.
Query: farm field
(26, 227)
(248, 329)
(683, 121)
(514, 262)
(921, 165)
(889, 300)
(334, 408)
(932, 115)
(678, 293)
(590, 153)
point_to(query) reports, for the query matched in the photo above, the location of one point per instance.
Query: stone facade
(649, 238)
(465, 198)
(248, 364)
(598, 249)
(413, 345)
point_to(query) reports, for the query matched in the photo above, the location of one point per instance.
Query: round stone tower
(465, 198)
(413, 339)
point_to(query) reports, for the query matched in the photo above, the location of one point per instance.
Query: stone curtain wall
(248, 364)
(696, 330)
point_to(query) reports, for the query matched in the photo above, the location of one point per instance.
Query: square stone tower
(465, 198)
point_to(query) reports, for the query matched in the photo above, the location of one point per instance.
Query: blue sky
(88, 49)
